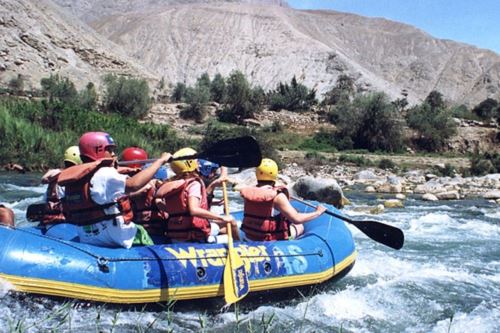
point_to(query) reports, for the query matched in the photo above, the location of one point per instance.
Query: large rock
(320, 189)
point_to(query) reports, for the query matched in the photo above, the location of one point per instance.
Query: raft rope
(104, 260)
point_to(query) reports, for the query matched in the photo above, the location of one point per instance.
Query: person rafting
(96, 194)
(268, 214)
(184, 199)
(143, 205)
(50, 212)
(212, 178)
(6, 216)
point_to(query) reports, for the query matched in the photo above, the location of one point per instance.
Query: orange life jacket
(53, 208)
(258, 222)
(180, 224)
(78, 206)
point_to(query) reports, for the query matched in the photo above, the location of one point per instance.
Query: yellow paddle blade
(235, 278)
(235, 275)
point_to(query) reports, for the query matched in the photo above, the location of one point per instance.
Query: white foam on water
(482, 319)
(480, 228)
(36, 189)
(5, 287)
(349, 304)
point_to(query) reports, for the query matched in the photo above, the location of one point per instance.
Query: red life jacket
(147, 214)
(258, 222)
(53, 209)
(78, 206)
(180, 224)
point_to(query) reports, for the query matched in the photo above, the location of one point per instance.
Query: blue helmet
(161, 174)
(206, 167)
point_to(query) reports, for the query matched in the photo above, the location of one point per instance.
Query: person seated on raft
(7, 216)
(96, 195)
(212, 180)
(268, 214)
(143, 205)
(184, 199)
(51, 211)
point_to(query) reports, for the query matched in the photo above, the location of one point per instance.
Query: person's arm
(50, 175)
(282, 204)
(136, 182)
(196, 210)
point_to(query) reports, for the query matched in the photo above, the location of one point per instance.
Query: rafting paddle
(235, 276)
(383, 233)
(240, 152)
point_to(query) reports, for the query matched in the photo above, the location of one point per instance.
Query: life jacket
(258, 222)
(53, 207)
(180, 224)
(147, 214)
(78, 206)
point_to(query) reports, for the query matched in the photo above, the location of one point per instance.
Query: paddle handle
(226, 211)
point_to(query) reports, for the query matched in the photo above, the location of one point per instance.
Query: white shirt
(107, 185)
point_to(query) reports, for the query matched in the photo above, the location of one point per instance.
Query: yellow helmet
(183, 166)
(267, 170)
(72, 155)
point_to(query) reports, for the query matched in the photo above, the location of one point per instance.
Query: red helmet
(132, 154)
(93, 144)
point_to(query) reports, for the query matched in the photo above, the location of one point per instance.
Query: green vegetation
(36, 132)
(292, 97)
(482, 164)
(126, 96)
(368, 122)
(433, 122)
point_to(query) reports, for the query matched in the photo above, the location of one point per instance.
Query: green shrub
(197, 98)
(386, 164)
(242, 101)
(58, 88)
(482, 164)
(179, 93)
(343, 91)
(356, 160)
(218, 89)
(463, 112)
(293, 97)
(486, 109)
(369, 122)
(126, 96)
(433, 124)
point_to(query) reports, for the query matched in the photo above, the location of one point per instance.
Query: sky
(475, 22)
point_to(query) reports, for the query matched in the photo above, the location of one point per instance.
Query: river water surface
(446, 278)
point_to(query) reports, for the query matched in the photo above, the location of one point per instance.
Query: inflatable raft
(53, 262)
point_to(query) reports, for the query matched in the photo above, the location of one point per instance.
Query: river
(446, 278)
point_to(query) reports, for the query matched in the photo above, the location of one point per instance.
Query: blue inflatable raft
(53, 262)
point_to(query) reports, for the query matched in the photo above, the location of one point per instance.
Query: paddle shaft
(240, 152)
(382, 233)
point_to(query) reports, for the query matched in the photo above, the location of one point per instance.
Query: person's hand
(50, 175)
(229, 219)
(165, 157)
(320, 209)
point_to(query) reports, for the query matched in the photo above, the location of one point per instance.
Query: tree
(241, 103)
(179, 93)
(88, 97)
(344, 89)
(58, 88)
(293, 97)
(197, 98)
(126, 96)
(435, 100)
(486, 109)
(433, 125)
(218, 89)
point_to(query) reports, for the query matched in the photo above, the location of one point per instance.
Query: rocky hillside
(38, 39)
(273, 43)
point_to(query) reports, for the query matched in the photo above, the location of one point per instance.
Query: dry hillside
(38, 39)
(273, 43)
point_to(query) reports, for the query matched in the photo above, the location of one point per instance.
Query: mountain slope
(272, 43)
(38, 39)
